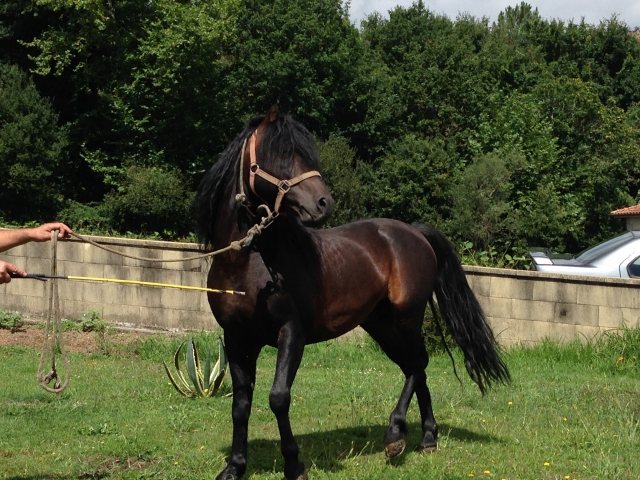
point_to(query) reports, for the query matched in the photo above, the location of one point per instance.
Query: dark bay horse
(306, 285)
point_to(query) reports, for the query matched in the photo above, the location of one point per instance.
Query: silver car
(617, 257)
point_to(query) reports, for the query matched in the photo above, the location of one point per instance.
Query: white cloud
(593, 11)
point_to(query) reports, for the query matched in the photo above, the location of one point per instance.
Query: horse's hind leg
(404, 345)
(428, 443)
(290, 349)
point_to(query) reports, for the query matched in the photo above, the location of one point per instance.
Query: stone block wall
(522, 306)
(527, 307)
(130, 305)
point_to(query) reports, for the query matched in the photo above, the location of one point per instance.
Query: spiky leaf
(207, 372)
(217, 382)
(176, 363)
(215, 372)
(220, 369)
(186, 393)
(193, 367)
(222, 354)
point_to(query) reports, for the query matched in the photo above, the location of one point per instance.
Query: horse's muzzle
(314, 215)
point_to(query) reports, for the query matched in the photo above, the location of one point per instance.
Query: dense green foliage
(521, 132)
(10, 320)
(31, 149)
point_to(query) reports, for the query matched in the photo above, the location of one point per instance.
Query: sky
(593, 11)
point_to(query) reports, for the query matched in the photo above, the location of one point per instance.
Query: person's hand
(43, 232)
(6, 269)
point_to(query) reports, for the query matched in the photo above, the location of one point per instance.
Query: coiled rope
(53, 332)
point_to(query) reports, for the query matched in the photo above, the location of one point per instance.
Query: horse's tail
(463, 315)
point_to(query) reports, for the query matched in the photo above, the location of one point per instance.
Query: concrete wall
(131, 305)
(633, 223)
(522, 306)
(526, 307)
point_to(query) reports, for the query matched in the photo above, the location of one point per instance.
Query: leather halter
(283, 185)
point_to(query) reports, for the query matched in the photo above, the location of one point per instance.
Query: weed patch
(12, 321)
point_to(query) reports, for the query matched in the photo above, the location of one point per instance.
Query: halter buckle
(284, 186)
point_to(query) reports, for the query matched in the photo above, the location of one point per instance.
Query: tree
(301, 53)
(580, 161)
(412, 182)
(437, 83)
(481, 211)
(341, 173)
(31, 146)
(138, 81)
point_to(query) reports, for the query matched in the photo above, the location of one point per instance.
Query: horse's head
(280, 167)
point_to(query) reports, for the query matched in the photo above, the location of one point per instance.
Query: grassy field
(572, 412)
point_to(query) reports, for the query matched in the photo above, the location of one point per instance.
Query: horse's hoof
(227, 474)
(396, 448)
(292, 473)
(426, 448)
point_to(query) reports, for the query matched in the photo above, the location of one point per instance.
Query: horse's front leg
(242, 365)
(291, 343)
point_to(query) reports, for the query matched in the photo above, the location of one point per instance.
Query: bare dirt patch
(111, 466)
(74, 341)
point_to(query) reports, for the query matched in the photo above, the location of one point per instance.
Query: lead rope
(53, 331)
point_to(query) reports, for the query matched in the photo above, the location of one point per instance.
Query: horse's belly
(328, 331)
(344, 312)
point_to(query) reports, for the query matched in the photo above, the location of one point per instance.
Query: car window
(608, 246)
(634, 268)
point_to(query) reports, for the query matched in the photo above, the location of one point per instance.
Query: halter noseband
(283, 185)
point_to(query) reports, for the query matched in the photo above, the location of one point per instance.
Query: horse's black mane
(282, 139)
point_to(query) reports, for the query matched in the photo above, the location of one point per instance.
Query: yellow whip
(44, 278)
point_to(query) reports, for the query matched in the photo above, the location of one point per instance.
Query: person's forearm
(20, 236)
(13, 238)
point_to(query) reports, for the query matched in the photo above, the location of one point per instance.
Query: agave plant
(205, 382)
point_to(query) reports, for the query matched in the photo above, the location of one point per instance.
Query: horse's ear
(270, 117)
(272, 114)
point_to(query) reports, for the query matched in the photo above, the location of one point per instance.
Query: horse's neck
(294, 263)
(287, 249)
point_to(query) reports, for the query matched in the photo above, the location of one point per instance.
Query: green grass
(575, 408)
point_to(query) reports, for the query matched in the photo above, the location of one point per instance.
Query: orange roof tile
(626, 212)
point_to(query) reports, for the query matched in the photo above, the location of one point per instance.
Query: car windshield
(605, 247)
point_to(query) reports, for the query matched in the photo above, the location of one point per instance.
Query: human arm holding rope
(14, 238)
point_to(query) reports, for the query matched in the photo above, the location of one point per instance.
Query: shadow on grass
(328, 450)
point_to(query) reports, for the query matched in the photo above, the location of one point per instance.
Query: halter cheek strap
(283, 185)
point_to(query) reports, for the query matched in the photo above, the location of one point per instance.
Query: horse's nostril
(322, 203)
